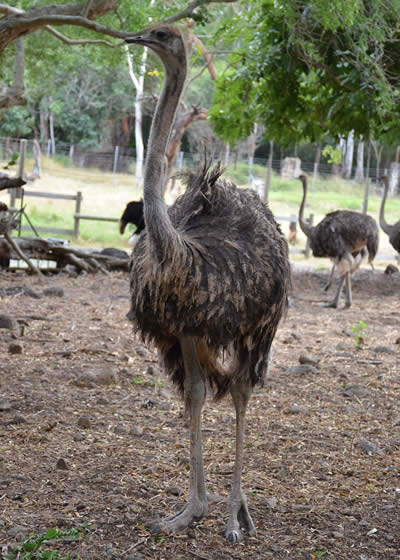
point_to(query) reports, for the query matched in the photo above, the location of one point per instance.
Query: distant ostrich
(209, 282)
(393, 231)
(345, 237)
(133, 214)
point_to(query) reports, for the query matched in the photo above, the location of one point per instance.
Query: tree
(309, 69)
(116, 16)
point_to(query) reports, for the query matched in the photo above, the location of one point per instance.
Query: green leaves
(31, 547)
(316, 69)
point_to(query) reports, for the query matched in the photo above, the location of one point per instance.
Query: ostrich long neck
(160, 230)
(306, 229)
(382, 222)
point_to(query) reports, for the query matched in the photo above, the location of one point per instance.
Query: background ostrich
(344, 236)
(209, 282)
(393, 231)
(133, 214)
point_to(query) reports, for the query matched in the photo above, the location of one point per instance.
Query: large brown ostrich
(393, 231)
(209, 282)
(344, 236)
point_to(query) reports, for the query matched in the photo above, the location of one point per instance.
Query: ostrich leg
(349, 298)
(194, 390)
(239, 516)
(335, 301)
(329, 284)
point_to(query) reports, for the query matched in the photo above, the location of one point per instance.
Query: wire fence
(250, 172)
(85, 167)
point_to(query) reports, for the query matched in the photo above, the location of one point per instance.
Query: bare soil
(92, 434)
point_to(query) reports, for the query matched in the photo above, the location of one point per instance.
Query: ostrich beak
(122, 226)
(139, 39)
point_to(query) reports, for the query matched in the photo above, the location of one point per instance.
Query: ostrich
(393, 231)
(346, 237)
(133, 214)
(209, 280)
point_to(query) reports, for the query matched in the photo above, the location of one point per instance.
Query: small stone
(17, 531)
(384, 350)
(369, 448)
(119, 429)
(355, 390)
(164, 406)
(344, 354)
(53, 292)
(79, 437)
(302, 369)
(136, 431)
(174, 490)
(304, 359)
(297, 410)
(101, 376)
(102, 401)
(4, 406)
(7, 322)
(61, 464)
(31, 293)
(15, 348)
(337, 534)
(84, 422)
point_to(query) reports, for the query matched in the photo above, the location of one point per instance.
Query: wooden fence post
(17, 193)
(307, 251)
(77, 213)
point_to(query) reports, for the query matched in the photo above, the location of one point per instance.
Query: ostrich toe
(193, 511)
(239, 520)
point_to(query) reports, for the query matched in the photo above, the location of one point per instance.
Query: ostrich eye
(161, 35)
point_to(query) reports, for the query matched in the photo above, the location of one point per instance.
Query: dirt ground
(92, 435)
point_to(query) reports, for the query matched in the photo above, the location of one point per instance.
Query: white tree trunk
(51, 130)
(138, 82)
(348, 160)
(359, 177)
(227, 154)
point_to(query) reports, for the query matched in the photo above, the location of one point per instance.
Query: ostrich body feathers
(342, 232)
(225, 283)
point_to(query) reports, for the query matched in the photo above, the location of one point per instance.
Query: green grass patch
(43, 546)
(105, 195)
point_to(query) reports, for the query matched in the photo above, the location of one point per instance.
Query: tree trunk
(14, 95)
(227, 154)
(359, 176)
(348, 160)
(51, 128)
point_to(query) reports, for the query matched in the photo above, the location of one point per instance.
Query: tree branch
(67, 41)
(192, 7)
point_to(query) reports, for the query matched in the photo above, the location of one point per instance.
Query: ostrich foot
(332, 304)
(239, 519)
(193, 511)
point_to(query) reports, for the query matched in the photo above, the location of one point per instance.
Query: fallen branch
(41, 249)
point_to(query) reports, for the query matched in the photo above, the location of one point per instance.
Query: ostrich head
(164, 40)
